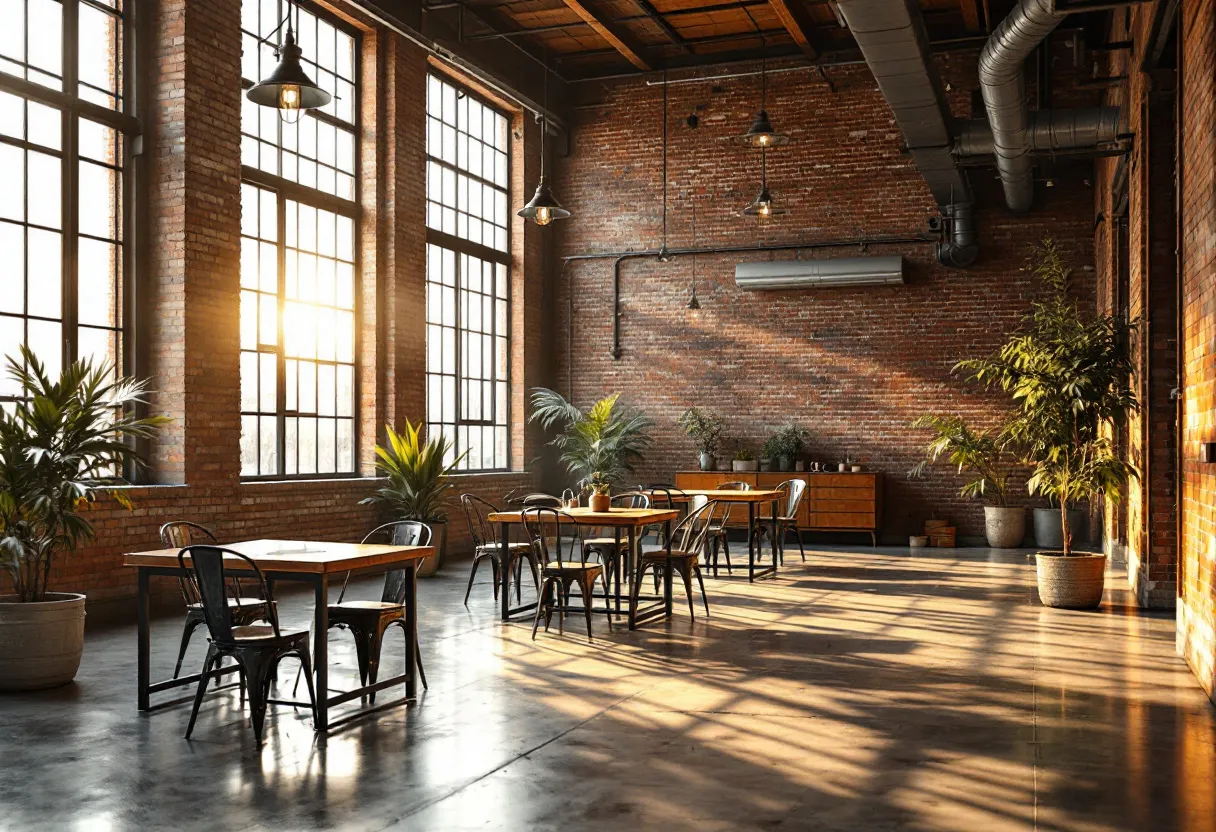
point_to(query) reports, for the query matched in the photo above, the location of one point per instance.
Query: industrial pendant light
(762, 133)
(762, 206)
(664, 256)
(288, 88)
(543, 208)
(693, 303)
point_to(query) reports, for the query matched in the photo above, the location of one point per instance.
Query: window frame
(129, 131)
(284, 189)
(461, 246)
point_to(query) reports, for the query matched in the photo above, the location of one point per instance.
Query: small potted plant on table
(705, 429)
(598, 447)
(989, 463)
(61, 446)
(786, 445)
(744, 460)
(1069, 375)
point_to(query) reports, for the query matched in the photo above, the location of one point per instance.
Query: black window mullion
(70, 174)
(280, 346)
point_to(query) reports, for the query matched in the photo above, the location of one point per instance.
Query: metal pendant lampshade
(762, 133)
(543, 208)
(288, 88)
(762, 205)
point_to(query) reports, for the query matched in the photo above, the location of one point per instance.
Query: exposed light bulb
(766, 209)
(543, 217)
(289, 103)
(763, 141)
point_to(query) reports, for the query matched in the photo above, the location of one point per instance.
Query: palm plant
(1069, 375)
(599, 447)
(983, 455)
(61, 445)
(418, 483)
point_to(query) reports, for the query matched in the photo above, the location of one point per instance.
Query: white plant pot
(40, 642)
(1004, 526)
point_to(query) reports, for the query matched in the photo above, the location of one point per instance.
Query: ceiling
(581, 39)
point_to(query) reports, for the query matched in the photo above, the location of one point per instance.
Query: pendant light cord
(664, 158)
(694, 246)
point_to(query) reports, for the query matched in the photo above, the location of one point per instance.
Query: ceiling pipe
(1003, 86)
(1049, 130)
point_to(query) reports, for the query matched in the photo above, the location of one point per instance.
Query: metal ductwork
(824, 274)
(1004, 88)
(892, 38)
(1049, 130)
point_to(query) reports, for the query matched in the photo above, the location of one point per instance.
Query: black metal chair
(558, 544)
(369, 620)
(487, 545)
(257, 650)
(607, 548)
(718, 533)
(179, 534)
(787, 522)
(687, 543)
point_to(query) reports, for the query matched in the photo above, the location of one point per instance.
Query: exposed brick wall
(854, 366)
(1197, 590)
(1149, 291)
(193, 286)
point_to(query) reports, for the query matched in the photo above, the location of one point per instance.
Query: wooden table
(628, 519)
(291, 560)
(752, 498)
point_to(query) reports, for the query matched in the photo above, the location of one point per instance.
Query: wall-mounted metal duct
(1049, 130)
(892, 38)
(821, 274)
(1003, 87)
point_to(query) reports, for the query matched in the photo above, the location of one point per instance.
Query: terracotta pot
(41, 641)
(1004, 527)
(600, 502)
(1072, 582)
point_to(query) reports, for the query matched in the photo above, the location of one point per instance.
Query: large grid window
(467, 287)
(62, 138)
(298, 258)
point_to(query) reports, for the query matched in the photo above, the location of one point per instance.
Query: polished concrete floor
(865, 690)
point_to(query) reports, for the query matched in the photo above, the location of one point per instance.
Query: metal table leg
(321, 649)
(751, 542)
(778, 552)
(143, 603)
(667, 570)
(504, 578)
(411, 631)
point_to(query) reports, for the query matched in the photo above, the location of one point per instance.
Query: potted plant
(599, 447)
(988, 462)
(705, 429)
(61, 446)
(418, 485)
(786, 445)
(744, 459)
(1068, 374)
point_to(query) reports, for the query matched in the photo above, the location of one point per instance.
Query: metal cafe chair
(179, 534)
(257, 649)
(487, 545)
(687, 543)
(718, 531)
(605, 544)
(787, 522)
(558, 544)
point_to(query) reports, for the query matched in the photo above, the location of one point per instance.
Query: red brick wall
(1148, 510)
(193, 298)
(853, 366)
(1197, 590)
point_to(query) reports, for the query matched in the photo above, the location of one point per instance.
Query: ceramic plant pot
(600, 502)
(1074, 581)
(439, 539)
(1004, 527)
(1048, 532)
(41, 641)
(708, 462)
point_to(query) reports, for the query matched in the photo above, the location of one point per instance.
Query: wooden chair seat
(661, 555)
(249, 634)
(558, 568)
(365, 606)
(496, 548)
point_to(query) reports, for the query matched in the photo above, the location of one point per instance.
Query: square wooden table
(309, 562)
(752, 499)
(628, 519)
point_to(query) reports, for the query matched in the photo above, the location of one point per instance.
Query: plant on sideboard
(418, 483)
(786, 445)
(988, 462)
(1068, 374)
(705, 428)
(744, 459)
(599, 447)
(63, 443)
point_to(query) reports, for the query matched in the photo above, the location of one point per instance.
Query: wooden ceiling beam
(798, 31)
(619, 39)
(971, 14)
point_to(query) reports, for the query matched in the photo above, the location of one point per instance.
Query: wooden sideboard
(833, 502)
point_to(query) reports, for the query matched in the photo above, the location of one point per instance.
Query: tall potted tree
(418, 484)
(1069, 376)
(598, 447)
(705, 428)
(62, 445)
(987, 461)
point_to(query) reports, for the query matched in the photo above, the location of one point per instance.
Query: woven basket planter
(40, 641)
(1072, 582)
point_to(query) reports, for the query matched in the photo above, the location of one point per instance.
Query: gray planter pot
(439, 539)
(1048, 533)
(785, 463)
(708, 462)
(40, 642)
(1073, 582)
(1004, 527)
(744, 465)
